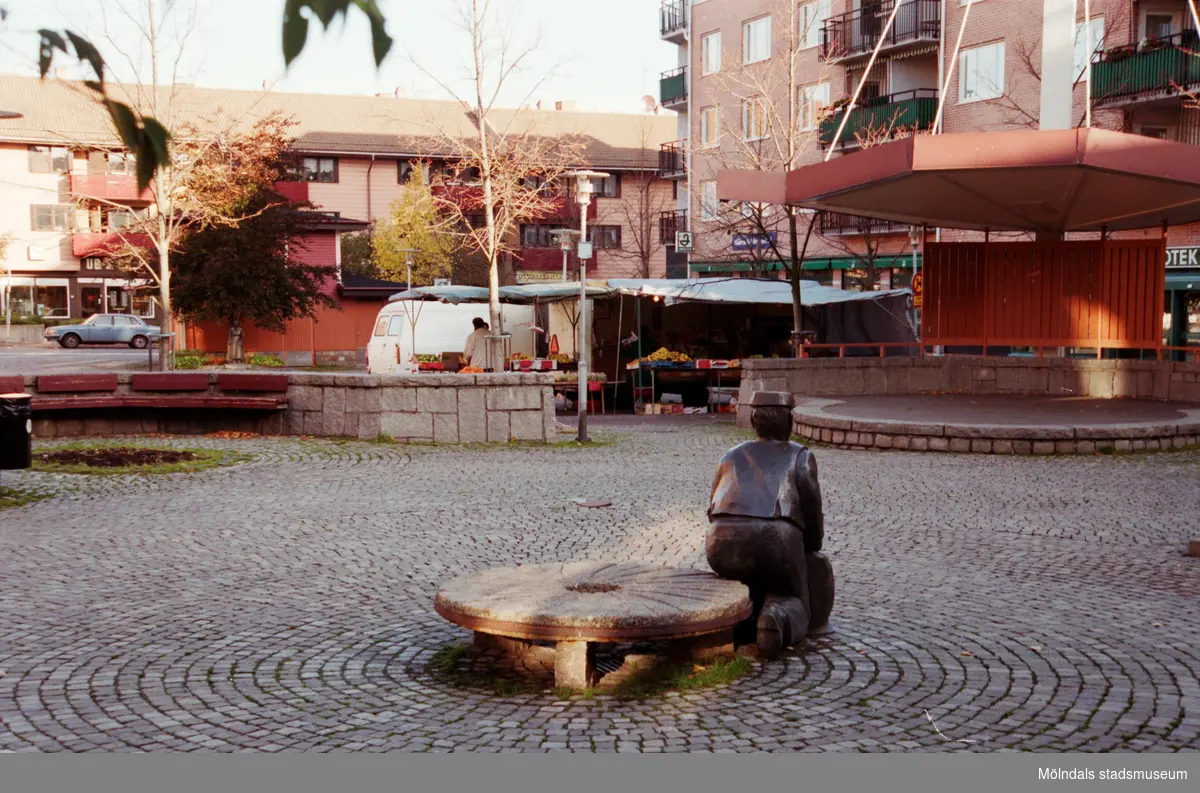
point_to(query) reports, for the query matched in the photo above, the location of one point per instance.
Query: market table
(684, 373)
(578, 604)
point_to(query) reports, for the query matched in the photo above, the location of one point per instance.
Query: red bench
(192, 392)
(12, 384)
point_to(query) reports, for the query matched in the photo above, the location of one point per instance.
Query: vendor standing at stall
(475, 349)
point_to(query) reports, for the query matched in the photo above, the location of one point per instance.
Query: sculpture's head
(771, 415)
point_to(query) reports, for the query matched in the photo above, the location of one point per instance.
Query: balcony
(673, 21)
(673, 88)
(883, 118)
(292, 191)
(1153, 69)
(103, 243)
(836, 224)
(565, 208)
(671, 222)
(115, 187)
(855, 34)
(672, 160)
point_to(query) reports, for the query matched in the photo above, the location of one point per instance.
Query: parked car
(104, 329)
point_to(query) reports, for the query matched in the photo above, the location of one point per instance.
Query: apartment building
(761, 77)
(69, 189)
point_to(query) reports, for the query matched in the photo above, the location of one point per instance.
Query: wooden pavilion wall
(1051, 294)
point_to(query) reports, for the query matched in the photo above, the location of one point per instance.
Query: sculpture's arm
(722, 468)
(810, 501)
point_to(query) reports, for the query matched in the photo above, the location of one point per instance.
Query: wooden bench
(12, 384)
(240, 392)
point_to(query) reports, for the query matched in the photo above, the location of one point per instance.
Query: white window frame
(810, 28)
(714, 127)
(755, 124)
(710, 53)
(710, 206)
(1081, 60)
(750, 28)
(810, 96)
(967, 68)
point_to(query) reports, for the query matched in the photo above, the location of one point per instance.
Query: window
(51, 217)
(1159, 26)
(143, 305)
(606, 237)
(397, 326)
(467, 174)
(124, 322)
(118, 220)
(608, 187)
(320, 169)
(1162, 133)
(534, 236)
(541, 185)
(381, 326)
(51, 301)
(708, 126)
(405, 169)
(981, 73)
(710, 53)
(812, 100)
(121, 162)
(49, 159)
(709, 206)
(1082, 56)
(812, 18)
(754, 118)
(756, 40)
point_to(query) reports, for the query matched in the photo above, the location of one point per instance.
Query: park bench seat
(12, 384)
(76, 383)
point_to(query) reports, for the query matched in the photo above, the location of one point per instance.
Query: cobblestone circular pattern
(286, 603)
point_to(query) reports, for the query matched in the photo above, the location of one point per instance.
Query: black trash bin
(16, 431)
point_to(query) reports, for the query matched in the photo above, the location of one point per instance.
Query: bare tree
(773, 132)
(644, 198)
(510, 157)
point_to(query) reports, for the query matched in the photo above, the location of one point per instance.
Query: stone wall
(435, 408)
(25, 334)
(973, 375)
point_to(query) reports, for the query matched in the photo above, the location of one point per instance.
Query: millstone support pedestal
(578, 605)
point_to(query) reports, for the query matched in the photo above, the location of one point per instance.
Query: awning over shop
(522, 294)
(743, 290)
(1024, 180)
(1184, 282)
(444, 294)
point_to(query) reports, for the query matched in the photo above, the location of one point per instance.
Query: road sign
(585, 250)
(684, 242)
(918, 290)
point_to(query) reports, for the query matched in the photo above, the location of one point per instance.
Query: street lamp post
(583, 196)
(566, 240)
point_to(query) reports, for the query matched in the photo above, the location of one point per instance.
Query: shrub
(189, 361)
(259, 359)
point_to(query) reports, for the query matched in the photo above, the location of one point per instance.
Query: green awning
(1184, 282)
(822, 263)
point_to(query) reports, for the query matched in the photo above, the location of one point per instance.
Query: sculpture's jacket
(772, 480)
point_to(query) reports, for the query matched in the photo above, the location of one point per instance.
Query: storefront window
(143, 305)
(22, 301)
(1192, 309)
(51, 301)
(118, 300)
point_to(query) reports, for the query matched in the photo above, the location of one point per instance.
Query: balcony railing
(672, 160)
(856, 33)
(671, 222)
(883, 118)
(103, 243)
(836, 224)
(1149, 70)
(672, 18)
(543, 259)
(109, 187)
(673, 87)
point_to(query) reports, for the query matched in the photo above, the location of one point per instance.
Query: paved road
(1023, 603)
(50, 358)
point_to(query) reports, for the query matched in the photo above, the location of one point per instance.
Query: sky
(602, 54)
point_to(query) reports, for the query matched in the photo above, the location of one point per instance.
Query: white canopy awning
(742, 290)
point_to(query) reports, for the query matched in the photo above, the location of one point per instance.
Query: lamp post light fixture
(584, 188)
(408, 261)
(566, 241)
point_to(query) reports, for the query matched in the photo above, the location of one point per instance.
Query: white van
(436, 328)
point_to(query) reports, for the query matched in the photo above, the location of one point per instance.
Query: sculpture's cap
(775, 399)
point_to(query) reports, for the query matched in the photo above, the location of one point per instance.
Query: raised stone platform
(999, 424)
(579, 604)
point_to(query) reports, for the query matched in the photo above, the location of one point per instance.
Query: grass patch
(267, 361)
(80, 458)
(665, 677)
(12, 497)
(446, 666)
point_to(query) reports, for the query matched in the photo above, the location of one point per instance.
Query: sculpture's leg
(820, 592)
(574, 665)
(782, 623)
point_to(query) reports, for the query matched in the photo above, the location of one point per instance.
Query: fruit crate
(669, 365)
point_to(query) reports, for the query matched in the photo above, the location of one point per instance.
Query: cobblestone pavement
(286, 604)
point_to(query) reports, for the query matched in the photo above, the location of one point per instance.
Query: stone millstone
(594, 602)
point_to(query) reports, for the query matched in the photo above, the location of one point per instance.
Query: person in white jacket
(475, 349)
